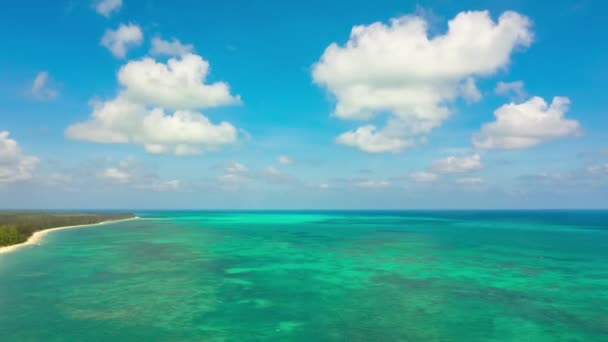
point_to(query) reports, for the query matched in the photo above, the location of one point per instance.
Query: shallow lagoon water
(315, 276)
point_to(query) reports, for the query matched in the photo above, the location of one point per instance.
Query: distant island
(17, 227)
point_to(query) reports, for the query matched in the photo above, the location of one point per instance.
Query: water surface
(314, 276)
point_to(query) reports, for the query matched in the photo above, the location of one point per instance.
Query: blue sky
(400, 114)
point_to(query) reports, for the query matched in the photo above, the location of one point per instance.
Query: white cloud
(368, 139)
(527, 124)
(470, 180)
(137, 114)
(180, 133)
(469, 90)
(514, 90)
(323, 186)
(177, 84)
(454, 164)
(107, 7)
(120, 40)
(174, 47)
(14, 165)
(372, 184)
(423, 177)
(285, 160)
(397, 68)
(41, 89)
(115, 175)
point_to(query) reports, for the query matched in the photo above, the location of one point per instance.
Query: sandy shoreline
(37, 236)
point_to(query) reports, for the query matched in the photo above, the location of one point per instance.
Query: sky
(149, 104)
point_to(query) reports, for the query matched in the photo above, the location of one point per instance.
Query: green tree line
(17, 227)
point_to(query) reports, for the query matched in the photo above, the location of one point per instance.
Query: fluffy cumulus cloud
(107, 7)
(161, 47)
(527, 124)
(14, 165)
(182, 132)
(156, 108)
(177, 84)
(397, 68)
(120, 40)
(42, 89)
(455, 164)
(368, 139)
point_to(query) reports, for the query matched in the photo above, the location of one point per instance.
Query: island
(17, 227)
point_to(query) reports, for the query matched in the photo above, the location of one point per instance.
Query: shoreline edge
(36, 238)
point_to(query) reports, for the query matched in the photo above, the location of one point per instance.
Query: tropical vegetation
(17, 226)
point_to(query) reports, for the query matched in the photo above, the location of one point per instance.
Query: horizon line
(301, 209)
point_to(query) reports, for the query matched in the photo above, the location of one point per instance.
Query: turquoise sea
(314, 276)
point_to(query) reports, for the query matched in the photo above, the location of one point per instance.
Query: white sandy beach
(37, 236)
